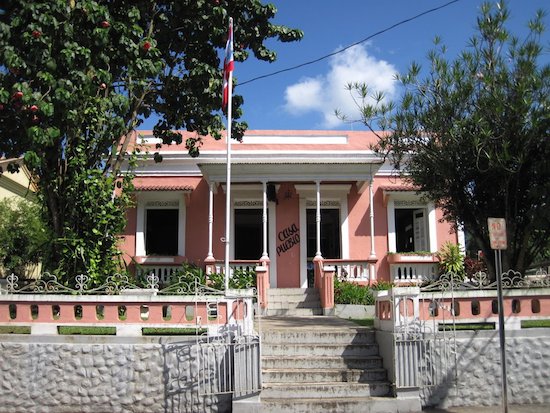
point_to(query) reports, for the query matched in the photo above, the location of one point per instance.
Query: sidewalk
(529, 408)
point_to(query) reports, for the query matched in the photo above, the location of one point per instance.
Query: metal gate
(425, 357)
(229, 364)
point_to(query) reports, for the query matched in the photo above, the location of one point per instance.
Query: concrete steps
(320, 350)
(330, 362)
(293, 302)
(344, 405)
(329, 390)
(322, 364)
(328, 375)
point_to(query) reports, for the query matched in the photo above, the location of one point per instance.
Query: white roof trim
(295, 139)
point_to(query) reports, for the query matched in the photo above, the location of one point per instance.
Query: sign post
(497, 237)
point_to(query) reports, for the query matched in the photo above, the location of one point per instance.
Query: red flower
(146, 46)
(36, 34)
(105, 24)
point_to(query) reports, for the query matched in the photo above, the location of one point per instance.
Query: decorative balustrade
(237, 265)
(164, 273)
(412, 269)
(350, 270)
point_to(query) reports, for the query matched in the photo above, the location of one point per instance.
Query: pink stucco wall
(288, 218)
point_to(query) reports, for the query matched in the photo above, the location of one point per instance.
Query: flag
(227, 66)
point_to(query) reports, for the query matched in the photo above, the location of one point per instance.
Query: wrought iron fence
(481, 281)
(114, 285)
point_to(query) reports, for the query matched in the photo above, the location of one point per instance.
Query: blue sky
(306, 98)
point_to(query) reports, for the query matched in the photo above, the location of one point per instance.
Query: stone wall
(74, 374)
(476, 381)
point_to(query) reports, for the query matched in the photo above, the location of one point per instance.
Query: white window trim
(142, 200)
(432, 222)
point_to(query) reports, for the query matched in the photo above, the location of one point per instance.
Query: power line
(288, 69)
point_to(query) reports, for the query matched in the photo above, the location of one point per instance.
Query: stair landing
(293, 302)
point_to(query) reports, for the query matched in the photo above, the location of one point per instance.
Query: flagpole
(228, 171)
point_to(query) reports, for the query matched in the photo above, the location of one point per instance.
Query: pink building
(295, 195)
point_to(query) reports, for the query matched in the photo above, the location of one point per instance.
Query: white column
(210, 219)
(371, 215)
(318, 219)
(264, 221)
(372, 266)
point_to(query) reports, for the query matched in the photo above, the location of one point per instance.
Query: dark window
(330, 233)
(411, 230)
(248, 234)
(161, 233)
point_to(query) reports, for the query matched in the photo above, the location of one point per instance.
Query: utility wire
(288, 69)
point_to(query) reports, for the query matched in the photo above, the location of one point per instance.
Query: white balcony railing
(350, 270)
(413, 273)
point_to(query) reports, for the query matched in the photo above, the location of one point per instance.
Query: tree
(472, 134)
(77, 75)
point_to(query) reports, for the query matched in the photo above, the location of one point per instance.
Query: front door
(330, 237)
(248, 234)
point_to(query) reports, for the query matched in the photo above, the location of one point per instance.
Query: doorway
(330, 237)
(248, 234)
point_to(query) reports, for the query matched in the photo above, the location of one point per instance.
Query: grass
(365, 322)
(171, 331)
(86, 331)
(107, 331)
(15, 330)
(535, 324)
(467, 326)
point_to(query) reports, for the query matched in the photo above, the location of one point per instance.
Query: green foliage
(240, 279)
(189, 274)
(23, 235)
(172, 331)
(451, 259)
(381, 285)
(91, 233)
(365, 322)
(86, 331)
(472, 134)
(76, 77)
(352, 293)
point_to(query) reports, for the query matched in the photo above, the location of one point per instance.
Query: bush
(451, 259)
(23, 236)
(241, 279)
(352, 293)
(381, 285)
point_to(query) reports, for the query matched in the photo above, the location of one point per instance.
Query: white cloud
(325, 93)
